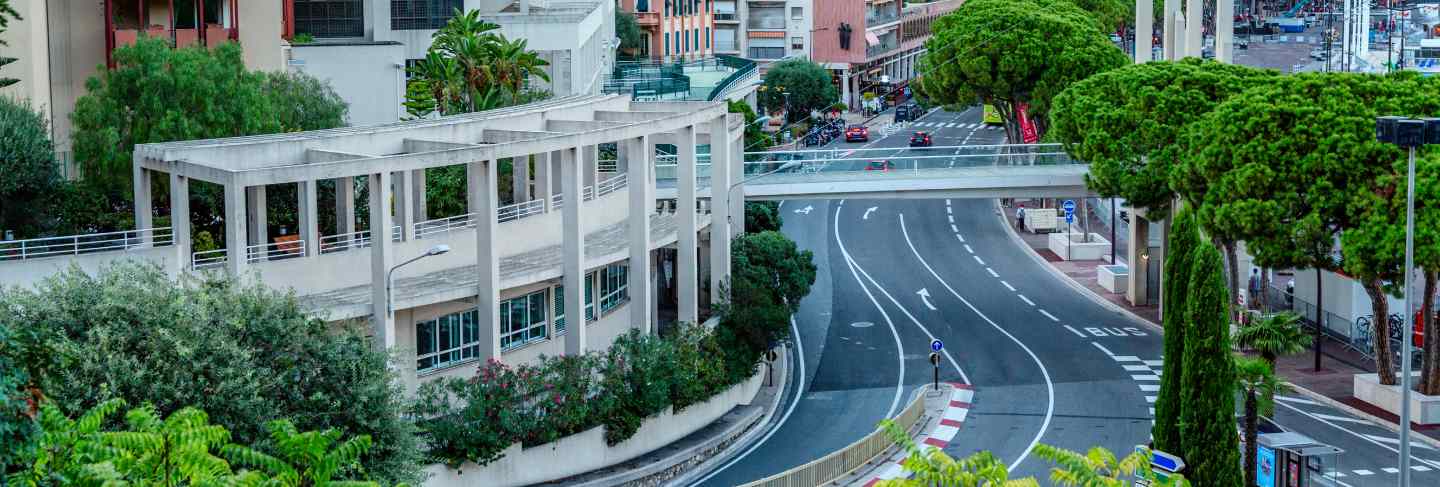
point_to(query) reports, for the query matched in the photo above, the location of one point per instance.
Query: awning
(871, 38)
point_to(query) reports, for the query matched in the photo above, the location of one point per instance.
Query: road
(1048, 364)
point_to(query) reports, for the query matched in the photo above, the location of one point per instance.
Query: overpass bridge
(976, 171)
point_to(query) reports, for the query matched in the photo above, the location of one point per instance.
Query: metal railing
(842, 462)
(511, 212)
(36, 248)
(353, 240)
(1357, 334)
(207, 259)
(744, 68)
(275, 251)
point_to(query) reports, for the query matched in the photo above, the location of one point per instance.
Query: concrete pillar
(484, 191)
(345, 206)
(382, 217)
(737, 195)
(257, 223)
(1224, 30)
(642, 204)
(1169, 31)
(544, 178)
(520, 172)
(1194, 28)
(592, 164)
(1144, 29)
(845, 88)
(573, 248)
(720, 193)
(309, 206)
(235, 226)
(417, 188)
(687, 263)
(1179, 35)
(1136, 259)
(180, 219)
(144, 209)
(404, 201)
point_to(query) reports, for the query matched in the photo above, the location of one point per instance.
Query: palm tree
(1273, 336)
(932, 467)
(1256, 380)
(1096, 468)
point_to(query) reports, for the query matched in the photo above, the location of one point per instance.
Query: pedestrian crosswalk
(957, 125)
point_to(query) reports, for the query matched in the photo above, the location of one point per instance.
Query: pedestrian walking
(1254, 286)
(1020, 217)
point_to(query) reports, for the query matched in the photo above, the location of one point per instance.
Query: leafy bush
(241, 352)
(471, 419)
(27, 159)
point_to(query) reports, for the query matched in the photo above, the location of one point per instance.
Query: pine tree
(1183, 240)
(1207, 416)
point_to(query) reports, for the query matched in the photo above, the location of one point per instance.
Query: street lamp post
(389, 275)
(730, 192)
(1408, 133)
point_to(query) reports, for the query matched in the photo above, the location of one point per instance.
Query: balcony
(766, 18)
(126, 22)
(646, 19)
(881, 15)
(726, 17)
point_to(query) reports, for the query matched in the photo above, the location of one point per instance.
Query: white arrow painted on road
(805, 210)
(867, 212)
(925, 296)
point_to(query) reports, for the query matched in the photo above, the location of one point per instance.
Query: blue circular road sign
(1069, 206)
(936, 345)
(1069, 218)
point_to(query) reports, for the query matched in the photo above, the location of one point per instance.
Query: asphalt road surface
(1048, 364)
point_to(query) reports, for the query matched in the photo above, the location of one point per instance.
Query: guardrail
(743, 69)
(842, 462)
(36, 248)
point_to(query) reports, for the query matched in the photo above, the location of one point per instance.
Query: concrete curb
(1352, 410)
(746, 439)
(1084, 291)
(937, 432)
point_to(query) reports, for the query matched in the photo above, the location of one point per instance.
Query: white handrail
(275, 250)
(36, 248)
(208, 258)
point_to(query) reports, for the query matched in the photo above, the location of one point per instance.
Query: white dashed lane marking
(1048, 315)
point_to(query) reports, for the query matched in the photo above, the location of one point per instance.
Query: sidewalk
(1333, 384)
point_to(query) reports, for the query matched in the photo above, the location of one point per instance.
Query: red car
(921, 139)
(882, 166)
(857, 133)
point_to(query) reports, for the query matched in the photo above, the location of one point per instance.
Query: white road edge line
(1048, 315)
(794, 401)
(899, 348)
(1102, 348)
(961, 237)
(1049, 385)
(1357, 435)
(1076, 332)
(970, 250)
(992, 273)
(856, 266)
(978, 259)
(1026, 300)
(1006, 284)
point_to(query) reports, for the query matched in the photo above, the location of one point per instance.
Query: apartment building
(872, 46)
(676, 30)
(775, 29)
(62, 43)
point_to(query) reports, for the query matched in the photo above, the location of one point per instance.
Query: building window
(330, 18)
(410, 65)
(797, 13)
(767, 48)
(707, 37)
(447, 340)
(642, 5)
(614, 286)
(589, 284)
(797, 43)
(422, 14)
(667, 8)
(684, 41)
(667, 43)
(522, 320)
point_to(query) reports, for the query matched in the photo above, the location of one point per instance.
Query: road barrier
(846, 460)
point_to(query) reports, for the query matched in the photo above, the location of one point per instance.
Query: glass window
(522, 320)
(707, 37)
(797, 43)
(797, 13)
(330, 18)
(667, 43)
(589, 284)
(684, 41)
(614, 286)
(422, 14)
(447, 340)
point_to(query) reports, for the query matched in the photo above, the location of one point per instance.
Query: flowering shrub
(472, 419)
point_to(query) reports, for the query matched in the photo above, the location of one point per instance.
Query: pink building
(674, 29)
(871, 46)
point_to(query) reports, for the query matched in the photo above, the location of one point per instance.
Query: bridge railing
(846, 460)
(36, 248)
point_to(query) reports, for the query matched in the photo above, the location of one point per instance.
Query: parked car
(921, 139)
(882, 166)
(857, 133)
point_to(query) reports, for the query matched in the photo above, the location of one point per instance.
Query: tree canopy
(1184, 238)
(1127, 122)
(1012, 52)
(628, 30)
(243, 353)
(470, 67)
(807, 83)
(1207, 411)
(27, 161)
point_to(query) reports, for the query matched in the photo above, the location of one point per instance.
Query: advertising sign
(1028, 133)
(1264, 467)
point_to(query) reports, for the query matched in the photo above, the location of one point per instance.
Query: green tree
(972, 55)
(762, 216)
(807, 83)
(932, 467)
(1184, 239)
(1273, 335)
(1097, 467)
(755, 137)
(1427, 256)
(768, 277)
(1207, 416)
(304, 102)
(471, 67)
(1127, 122)
(628, 30)
(1255, 379)
(308, 459)
(27, 159)
(241, 352)
(6, 13)
(18, 427)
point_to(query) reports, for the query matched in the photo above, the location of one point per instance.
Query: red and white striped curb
(950, 422)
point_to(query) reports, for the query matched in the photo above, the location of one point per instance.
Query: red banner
(1027, 128)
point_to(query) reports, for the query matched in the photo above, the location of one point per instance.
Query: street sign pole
(935, 361)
